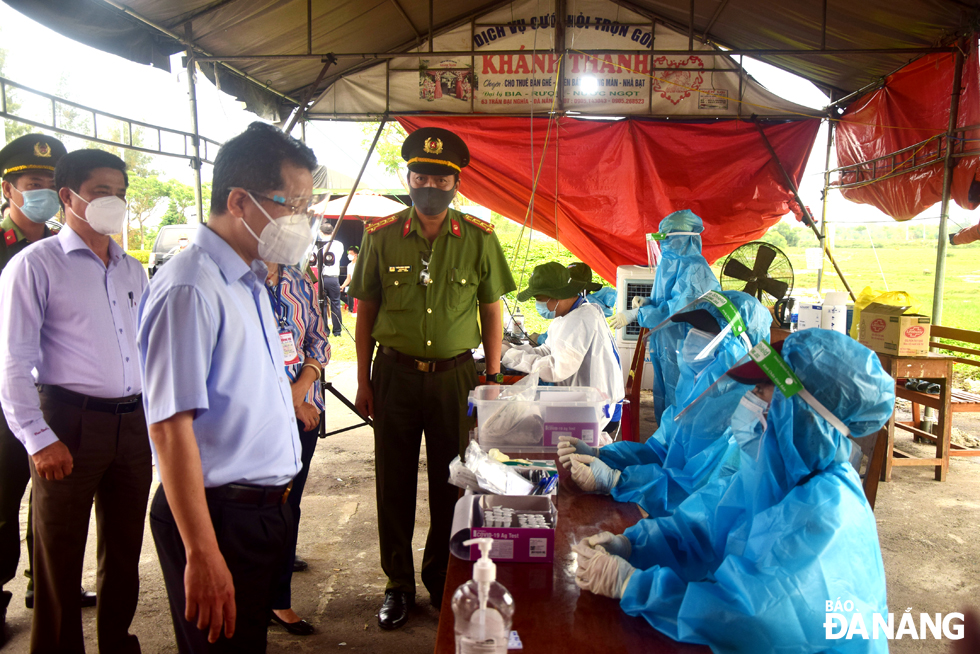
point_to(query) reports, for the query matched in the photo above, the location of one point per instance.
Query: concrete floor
(927, 531)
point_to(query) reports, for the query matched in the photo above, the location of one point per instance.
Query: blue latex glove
(591, 474)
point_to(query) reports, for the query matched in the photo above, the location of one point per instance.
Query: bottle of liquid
(794, 314)
(482, 607)
(518, 322)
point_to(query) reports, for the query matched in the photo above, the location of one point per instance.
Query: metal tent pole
(950, 163)
(826, 186)
(196, 134)
(343, 212)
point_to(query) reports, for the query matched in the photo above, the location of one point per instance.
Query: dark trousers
(252, 540)
(282, 599)
(15, 472)
(112, 466)
(408, 403)
(331, 289)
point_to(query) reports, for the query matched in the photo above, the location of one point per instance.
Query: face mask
(431, 201)
(284, 240)
(40, 205)
(106, 215)
(544, 311)
(694, 343)
(749, 423)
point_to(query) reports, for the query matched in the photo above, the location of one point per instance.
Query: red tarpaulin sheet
(617, 179)
(912, 106)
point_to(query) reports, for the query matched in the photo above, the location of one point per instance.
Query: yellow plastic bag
(892, 298)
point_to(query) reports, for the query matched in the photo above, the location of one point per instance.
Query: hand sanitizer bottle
(482, 607)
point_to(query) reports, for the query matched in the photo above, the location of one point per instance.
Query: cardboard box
(510, 544)
(890, 330)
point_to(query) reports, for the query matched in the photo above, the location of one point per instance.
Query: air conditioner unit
(633, 281)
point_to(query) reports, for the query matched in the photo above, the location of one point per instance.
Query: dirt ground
(928, 533)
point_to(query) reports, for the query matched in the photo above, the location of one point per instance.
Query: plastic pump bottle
(482, 607)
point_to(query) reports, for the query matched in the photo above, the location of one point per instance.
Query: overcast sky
(40, 58)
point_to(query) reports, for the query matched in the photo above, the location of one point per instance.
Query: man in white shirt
(330, 273)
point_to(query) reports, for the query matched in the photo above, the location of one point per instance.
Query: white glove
(624, 318)
(568, 445)
(617, 545)
(640, 301)
(592, 475)
(603, 574)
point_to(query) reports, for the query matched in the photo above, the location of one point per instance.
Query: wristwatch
(496, 379)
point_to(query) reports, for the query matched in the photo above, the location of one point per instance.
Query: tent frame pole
(826, 196)
(808, 217)
(954, 106)
(343, 212)
(195, 132)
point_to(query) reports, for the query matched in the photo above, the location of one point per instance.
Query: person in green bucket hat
(580, 350)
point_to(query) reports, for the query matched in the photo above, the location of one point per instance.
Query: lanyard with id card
(290, 355)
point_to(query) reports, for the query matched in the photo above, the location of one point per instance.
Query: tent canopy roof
(149, 31)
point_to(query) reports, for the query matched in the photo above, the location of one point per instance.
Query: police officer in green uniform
(429, 281)
(27, 168)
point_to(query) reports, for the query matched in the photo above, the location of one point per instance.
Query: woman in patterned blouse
(306, 351)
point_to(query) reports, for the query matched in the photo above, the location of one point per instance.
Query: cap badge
(433, 146)
(42, 149)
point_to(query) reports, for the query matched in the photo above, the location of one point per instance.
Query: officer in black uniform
(27, 168)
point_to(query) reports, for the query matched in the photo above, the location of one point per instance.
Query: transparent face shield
(782, 377)
(733, 319)
(654, 254)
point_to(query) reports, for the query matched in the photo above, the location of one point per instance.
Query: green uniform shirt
(438, 320)
(12, 240)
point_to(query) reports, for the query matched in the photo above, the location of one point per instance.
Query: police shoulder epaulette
(487, 227)
(378, 224)
(9, 237)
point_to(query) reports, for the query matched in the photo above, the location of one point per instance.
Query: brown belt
(249, 494)
(436, 365)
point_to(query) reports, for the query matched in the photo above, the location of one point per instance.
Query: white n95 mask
(284, 240)
(106, 215)
(749, 423)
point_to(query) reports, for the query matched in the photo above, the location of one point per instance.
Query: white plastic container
(516, 425)
(833, 314)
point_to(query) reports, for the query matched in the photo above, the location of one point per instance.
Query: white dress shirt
(73, 319)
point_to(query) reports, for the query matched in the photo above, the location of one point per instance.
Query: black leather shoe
(394, 611)
(89, 599)
(300, 628)
(299, 565)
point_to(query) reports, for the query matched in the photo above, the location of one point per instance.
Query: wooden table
(551, 613)
(934, 367)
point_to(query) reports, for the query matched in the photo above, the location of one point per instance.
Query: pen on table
(550, 485)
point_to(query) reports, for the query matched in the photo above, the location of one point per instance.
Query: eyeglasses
(302, 206)
(424, 277)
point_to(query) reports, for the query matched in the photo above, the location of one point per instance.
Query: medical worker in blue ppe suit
(682, 455)
(749, 564)
(682, 276)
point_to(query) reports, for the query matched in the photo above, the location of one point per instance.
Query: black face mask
(431, 201)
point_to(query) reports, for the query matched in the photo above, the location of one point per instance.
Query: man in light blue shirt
(69, 311)
(217, 398)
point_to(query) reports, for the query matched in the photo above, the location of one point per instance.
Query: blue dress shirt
(208, 343)
(73, 319)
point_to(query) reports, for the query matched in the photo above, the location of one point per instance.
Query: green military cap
(581, 272)
(435, 151)
(30, 152)
(553, 280)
